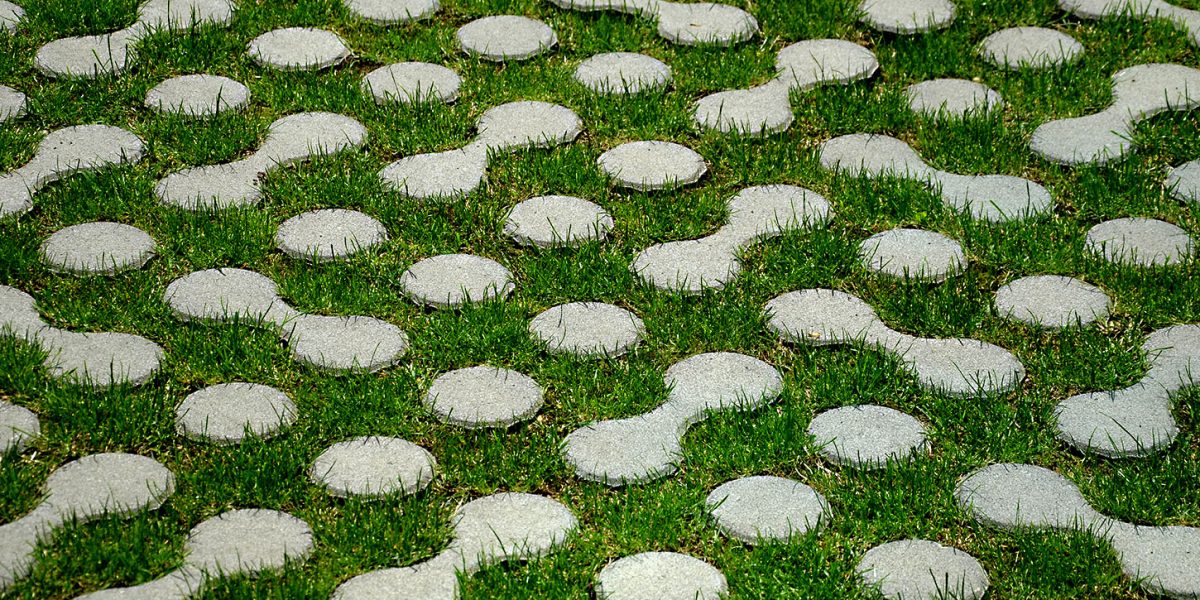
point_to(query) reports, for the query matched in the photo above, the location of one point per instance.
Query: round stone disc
(387, 12)
(223, 413)
(100, 359)
(373, 466)
(588, 329)
(10, 16)
(1052, 301)
(298, 48)
(411, 82)
(328, 234)
(108, 484)
(866, 435)
(652, 165)
(907, 16)
(912, 254)
(954, 98)
(355, 343)
(550, 221)
(451, 280)
(98, 247)
(695, 23)
(198, 95)
(18, 425)
(1139, 242)
(922, 570)
(622, 73)
(12, 103)
(1034, 47)
(764, 508)
(226, 294)
(660, 576)
(506, 37)
(528, 124)
(509, 526)
(484, 396)
(248, 541)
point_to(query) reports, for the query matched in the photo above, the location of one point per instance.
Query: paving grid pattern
(348, 177)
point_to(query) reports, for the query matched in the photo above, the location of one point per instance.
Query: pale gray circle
(922, 570)
(588, 329)
(763, 508)
(298, 48)
(484, 396)
(12, 103)
(1008, 496)
(693, 23)
(912, 254)
(660, 576)
(248, 541)
(1052, 301)
(528, 124)
(1033, 47)
(411, 82)
(955, 98)
(867, 435)
(509, 526)
(328, 234)
(373, 466)
(223, 413)
(10, 16)
(506, 37)
(100, 359)
(1139, 242)
(98, 247)
(652, 165)
(451, 280)
(108, 484)
(550, 221)
(354, 343)
(622, 73)
(226, 294)
(198, 95)
(387, 12)
(18, 426)
(907, 16)
(85, 57)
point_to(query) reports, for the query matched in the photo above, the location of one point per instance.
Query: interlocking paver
(1186, 19)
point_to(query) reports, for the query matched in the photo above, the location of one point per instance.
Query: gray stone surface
(912, 254)
(451, 280)
(373, 466)
(907, 16)
(1052, 301)
(227, 294)
(12, 102)
(438, 176)
(622, 73)
(353, 343)
(867, 436)
(766, 108)
(1032, 47)
(484, 396)
(1163, 560)
(552, 221)
(61, 153)
(198, 95)
(18, 426)
(99, 360)
(588, 329)
(290, 139)
(527, 124)
(711, 262)
(298, 49)
(387, 12)
(1139, 242)
(506, 37)
(411, 82)
(660, 576)
(328, 234)
(993, 198)
(10, 16)
(226, 412)
(96, 485)
(98, 247)
(688, 23)
(1184, 182)
(1139, 92)
(489, 530)
(958, 367)
(652, 165)
(922, 570)
(1183, 18)
(113, 53)
(1137, 420)
(647, 447)
(763, 508)
(952, 98)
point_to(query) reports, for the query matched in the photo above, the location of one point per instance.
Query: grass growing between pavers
(352, 536)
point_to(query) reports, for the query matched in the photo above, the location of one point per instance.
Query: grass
(905, 500)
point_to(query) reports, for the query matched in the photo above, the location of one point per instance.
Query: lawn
(907, 499)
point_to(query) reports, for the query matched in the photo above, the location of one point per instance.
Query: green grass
(352, 537)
